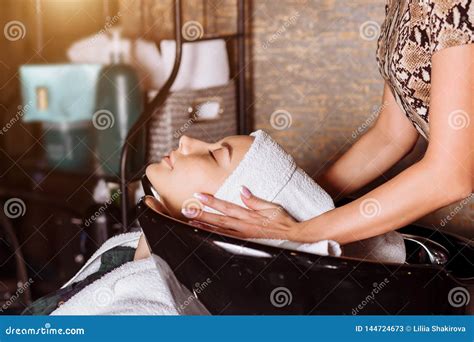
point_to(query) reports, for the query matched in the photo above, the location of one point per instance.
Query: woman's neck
(142, 251)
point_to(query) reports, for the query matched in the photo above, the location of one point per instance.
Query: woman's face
(196, 166)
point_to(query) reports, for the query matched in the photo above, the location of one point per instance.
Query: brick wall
(312, 61)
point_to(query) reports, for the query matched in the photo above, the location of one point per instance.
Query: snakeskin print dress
(412, 32)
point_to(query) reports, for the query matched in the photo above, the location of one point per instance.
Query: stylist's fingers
(272, 212)
(226, 222)
(243, 232)
(218, 230)
(253, 202)
(252, 232)
(227, 208)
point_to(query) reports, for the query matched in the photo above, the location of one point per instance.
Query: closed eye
(222, 154)
(212, 155)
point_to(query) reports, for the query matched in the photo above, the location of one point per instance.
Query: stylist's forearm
(389, 140)
(371, 156)
(414, 193)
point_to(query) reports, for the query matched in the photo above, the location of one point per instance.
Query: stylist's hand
(261, 219)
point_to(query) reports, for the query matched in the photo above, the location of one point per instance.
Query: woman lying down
(122, 277)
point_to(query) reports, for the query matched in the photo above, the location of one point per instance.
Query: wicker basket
(188, 113)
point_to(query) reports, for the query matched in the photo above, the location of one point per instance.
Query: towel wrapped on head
(272, 175)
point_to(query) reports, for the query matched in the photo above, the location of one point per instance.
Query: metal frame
(160, 98)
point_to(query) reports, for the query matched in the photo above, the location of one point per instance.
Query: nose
(188, 145)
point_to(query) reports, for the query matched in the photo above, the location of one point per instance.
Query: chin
(155, 172)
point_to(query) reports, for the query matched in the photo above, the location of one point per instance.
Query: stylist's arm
(443, 176)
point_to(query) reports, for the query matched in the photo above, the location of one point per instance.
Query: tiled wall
(312, 62)
(153, 19)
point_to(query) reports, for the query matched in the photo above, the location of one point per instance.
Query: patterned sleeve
(451, 23)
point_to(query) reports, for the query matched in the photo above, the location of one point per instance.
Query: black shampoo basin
(233, 276)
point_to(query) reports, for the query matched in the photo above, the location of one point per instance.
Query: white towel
(143, 287)
(204, 64)
(92, 49)
(272, 174)
(143, 55)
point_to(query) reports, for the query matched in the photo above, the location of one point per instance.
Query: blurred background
(306, 74)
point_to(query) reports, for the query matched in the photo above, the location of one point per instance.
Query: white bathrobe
(143, 287)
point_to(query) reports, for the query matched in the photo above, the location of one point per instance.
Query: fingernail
(190, 213)
(245, 192)
(200, 196)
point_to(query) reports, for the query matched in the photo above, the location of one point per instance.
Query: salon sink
(421, 250)
(269, 280)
